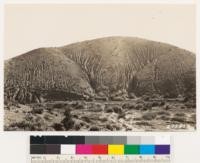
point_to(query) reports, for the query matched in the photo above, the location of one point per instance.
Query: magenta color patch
(83, 149)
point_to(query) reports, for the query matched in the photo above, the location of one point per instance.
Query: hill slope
(44, 73)
(104, 67)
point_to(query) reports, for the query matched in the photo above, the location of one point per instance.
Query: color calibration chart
(100, 149)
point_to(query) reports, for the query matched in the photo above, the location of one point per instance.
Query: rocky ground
(140, 114)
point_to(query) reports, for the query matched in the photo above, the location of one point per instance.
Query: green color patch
(131, 149)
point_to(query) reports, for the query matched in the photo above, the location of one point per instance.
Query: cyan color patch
(147, 149)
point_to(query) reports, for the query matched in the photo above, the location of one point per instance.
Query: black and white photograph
(100, 67)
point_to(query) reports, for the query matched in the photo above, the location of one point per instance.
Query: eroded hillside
(101, 68)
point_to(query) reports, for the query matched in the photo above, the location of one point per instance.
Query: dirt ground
(131, 115)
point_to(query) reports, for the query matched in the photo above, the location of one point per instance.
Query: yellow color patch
(115, 149)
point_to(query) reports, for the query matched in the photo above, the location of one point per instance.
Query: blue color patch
(147, 149)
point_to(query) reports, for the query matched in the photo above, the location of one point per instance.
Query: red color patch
(100, 149)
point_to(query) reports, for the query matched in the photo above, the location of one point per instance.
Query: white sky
(32, 26)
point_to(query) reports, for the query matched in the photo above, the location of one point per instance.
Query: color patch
(131, 149)
(147, 149)
(68, 149)
(133, 140)
(164, 140)
(162, 149)
(99, 149)
(105, 140)
(119, 140)
(83, 149)
(115, 149)
(91, 140)
(37, 140)
(52, 149)
(147, 140)
(37, 149)
(60, 140)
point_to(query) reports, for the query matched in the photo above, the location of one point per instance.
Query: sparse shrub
(78, 104)
(29, 117)
(182, 107)
(103, 119)
(193, 118)
(109, 110)
(143, 123)
(94, 128)
(138, 118)
(96, 107)
(163, 113)
(180, 115)
(16, 111)
(67, 121)
(164, 117)
(145, 109)
(155, 103)
(185, 99)
(139, 106)
(22, 125)
(121, 115)
(109, 127)
(139, 101)
(37, 111)
(128, 106)
(102, 98)
(115, 127)
(190, 105)
(167, 107)
(86, 119)
(75, 116)
(59, 105)
(145, 98)
(47, 117)
(155, 96)
(148, 105)
(117, 98)
(132, 95)
(117, 109)
(149, 116)
(77, 126)
(179, 119)
(162, 103)
(58, 127)
(67, 113)
(37, 124)
(74, 104)
(81, 105)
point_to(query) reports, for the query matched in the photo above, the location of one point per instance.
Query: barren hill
(105, 67)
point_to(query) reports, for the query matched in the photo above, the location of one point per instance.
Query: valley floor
(130, 115)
